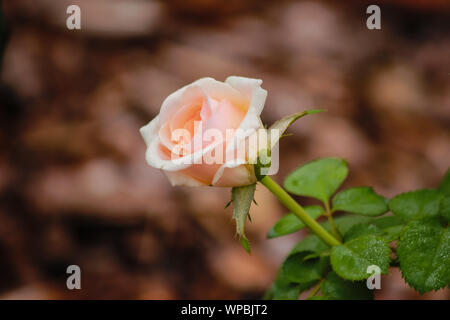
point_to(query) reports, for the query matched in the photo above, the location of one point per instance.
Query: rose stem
(316, 289)
(298, 210)
(329, 215)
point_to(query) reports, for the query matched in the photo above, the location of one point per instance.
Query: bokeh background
(74, 187)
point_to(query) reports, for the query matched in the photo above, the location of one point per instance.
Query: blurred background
(74, 186)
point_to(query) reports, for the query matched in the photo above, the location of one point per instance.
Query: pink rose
(190, 139)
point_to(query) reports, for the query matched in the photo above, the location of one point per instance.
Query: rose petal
(241, 175)
(177, 178)
(251, 89)
(153, 155)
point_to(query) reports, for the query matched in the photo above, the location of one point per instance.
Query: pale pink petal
(177, 178)
(218, 90)
(154, 155)
(188, 95)
(166, 136)
(251, 89)
(226, 116)
(202, 172)
(241, 175)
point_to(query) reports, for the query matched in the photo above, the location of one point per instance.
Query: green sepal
(242, 198)
(281, 125)
(284, 123)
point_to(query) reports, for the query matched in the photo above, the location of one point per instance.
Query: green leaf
(290, 291)
(416, 204)
(424, 255)
(444, 187)
(350, 260)
(387, 222)
(291, 223)
(360, 200)
(392, 233)
(362, 229)
(309, 244)
(283, 289)
(296, 269)
(318, 179)
(444, 209)
(242, 198)
(388, 227)
(344, 223)
(284, 123)
(318, 298)
(336, 288)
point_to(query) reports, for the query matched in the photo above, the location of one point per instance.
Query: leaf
(392, 233)
(242, 198)
(444, 187)
(336, 288)
(344, 223)
(387, 222)
(284, 123)
(296, 269)
(318, 179)
(362, 229)
(388, 227)
(389, 234)
(416, 204)
(318, 298)
(360, 200)
(350, 260)
(424, 255)
(291, 223)
(283, 289)
(290, 291)
(309, 244)
(444, 209)
(317, 255)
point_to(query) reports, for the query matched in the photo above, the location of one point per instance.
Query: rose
(176, 145)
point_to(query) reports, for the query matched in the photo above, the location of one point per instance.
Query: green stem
(334, 229)
(316, 289)
(298, 210)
